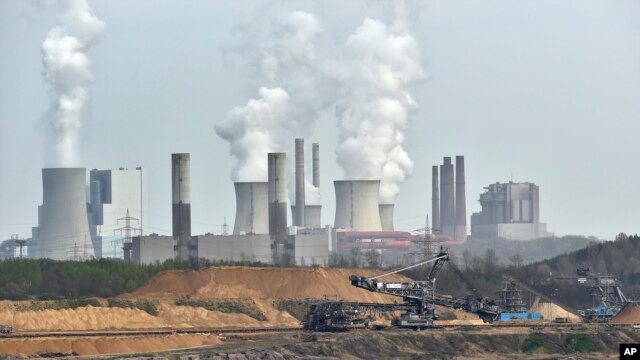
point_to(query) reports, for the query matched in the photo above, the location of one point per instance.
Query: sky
(539, 91)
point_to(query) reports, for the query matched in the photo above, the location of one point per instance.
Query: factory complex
(110, 222)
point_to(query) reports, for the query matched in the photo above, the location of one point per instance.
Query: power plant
(357, 205)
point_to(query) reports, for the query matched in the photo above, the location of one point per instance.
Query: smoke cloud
(68, 69)
(373, 116)
(290, 95)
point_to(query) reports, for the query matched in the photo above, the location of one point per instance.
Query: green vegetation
(47, 279)
(580, 343)
(247, 307)
(144, 305)
(532, 343)
(296, 308)
(56, 304)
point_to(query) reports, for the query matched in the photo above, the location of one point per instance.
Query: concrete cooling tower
(252, 208)
(312, 215)
(63, 222)
(386, 216)
(357, 205)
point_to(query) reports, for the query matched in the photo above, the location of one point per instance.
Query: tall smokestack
(252, 208)
(357, 205)
(181, 199)
(435, 200)
(461, 206)
(386, 216)
(277, 165)
(63, 222)
(298, 218)
(447, 203)
(315, 155)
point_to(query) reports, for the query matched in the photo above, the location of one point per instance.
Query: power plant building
(113, 194)
(511, 211)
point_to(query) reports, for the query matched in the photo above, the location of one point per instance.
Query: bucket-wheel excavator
(418, 306)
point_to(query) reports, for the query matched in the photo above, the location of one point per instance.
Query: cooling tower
(181, 199)
(357, 205)
(386, 216)
(63, 222)
(447, 204)
(252, 208)
(277, 189)
(298, 216)
(435, 201)
(315, 156)
(461, 206)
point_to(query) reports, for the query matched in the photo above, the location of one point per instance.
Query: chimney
(435, 201)
(461, 206)
(252, 208)
(277, 200)
(447, 203)
(181, 199)
(63, 223)
(357, 205)
(315, 154)
(298, 218)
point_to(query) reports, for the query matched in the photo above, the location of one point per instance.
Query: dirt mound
(630, 314)
(260, 283)
(551, 311)
(102, 345)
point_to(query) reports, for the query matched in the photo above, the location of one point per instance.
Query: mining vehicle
(5, 329)
(418, 301)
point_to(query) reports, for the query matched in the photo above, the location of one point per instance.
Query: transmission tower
(225, 227)
(127, 230)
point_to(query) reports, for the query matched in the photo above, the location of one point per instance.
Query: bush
(580, 343)
(532, 343)
(247, 307)
(56, 304)
(297, 308)
(144, 305)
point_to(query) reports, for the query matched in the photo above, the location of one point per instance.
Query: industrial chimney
(315, 156)
(357, 205)
(181, 199)
(252, 208)
(447, 203)
(277, 163)
(435, 200)
(298, 217)
(62, 219)
(461, 206)
(386, 216)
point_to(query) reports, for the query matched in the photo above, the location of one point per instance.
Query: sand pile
(260, 283)
(629, 314)
(551, 311)
(101, 345)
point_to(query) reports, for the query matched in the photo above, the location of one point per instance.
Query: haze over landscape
(543, 91)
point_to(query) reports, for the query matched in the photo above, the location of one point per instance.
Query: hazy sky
(539, 91)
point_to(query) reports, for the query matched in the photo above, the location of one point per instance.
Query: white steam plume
(290, 95)
(68, 69)
(374, 114)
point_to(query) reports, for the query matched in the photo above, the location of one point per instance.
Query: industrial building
(510, 211)
(118, 202)
(449, 209)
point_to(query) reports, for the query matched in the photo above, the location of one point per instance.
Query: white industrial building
(113, 193)
(509, 211)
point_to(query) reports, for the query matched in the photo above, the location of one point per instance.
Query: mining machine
(418, 301)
